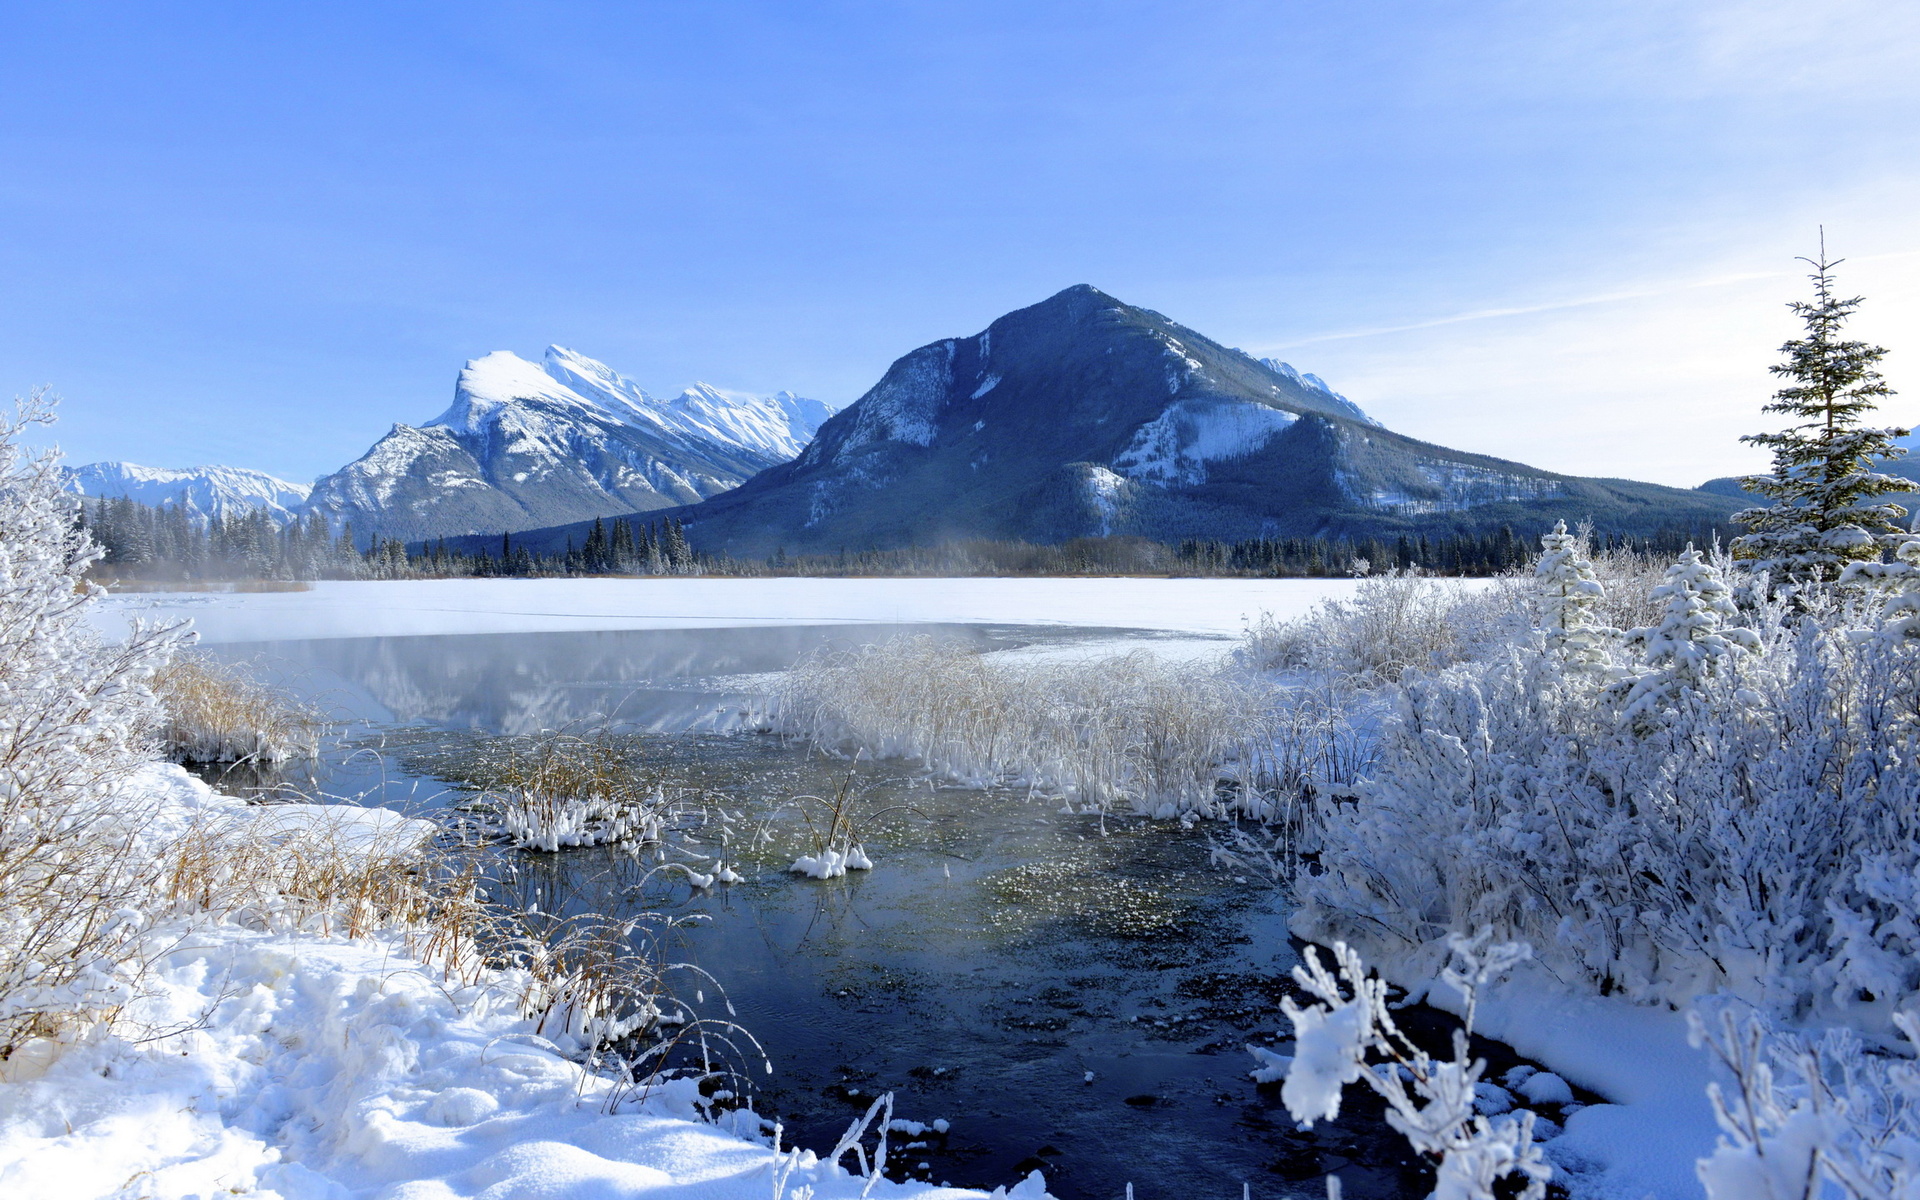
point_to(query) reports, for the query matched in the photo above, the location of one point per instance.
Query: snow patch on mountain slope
(1103, 495)
(1455, 487)
(1176, 446)
(905, 406)
(204, 491)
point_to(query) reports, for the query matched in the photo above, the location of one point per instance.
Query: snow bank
(313, 1069)
(303, 1067)
(1217, 607)
(1659, 1121)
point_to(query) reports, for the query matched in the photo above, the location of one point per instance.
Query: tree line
(164, 542)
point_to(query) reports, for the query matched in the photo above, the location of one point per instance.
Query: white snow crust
(1215, 607)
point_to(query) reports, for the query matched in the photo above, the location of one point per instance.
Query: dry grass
(1136, 731)
(217, 713)
(1391, 625)
(561, 789)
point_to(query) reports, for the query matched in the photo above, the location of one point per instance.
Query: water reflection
(655, 680)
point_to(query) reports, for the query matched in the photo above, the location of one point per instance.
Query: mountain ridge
(525, 444)
(205, 491)
(1082, 416)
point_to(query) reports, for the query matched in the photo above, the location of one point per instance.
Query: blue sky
(261, 234)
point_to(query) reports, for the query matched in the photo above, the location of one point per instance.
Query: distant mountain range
(523, 444)
(1077, 416)
(1083, 415)
(527, 444)
(204, 491)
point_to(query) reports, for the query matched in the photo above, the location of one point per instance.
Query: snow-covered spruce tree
(1827, 503)
(1569, 593)
(74, 715)
(1691, 642)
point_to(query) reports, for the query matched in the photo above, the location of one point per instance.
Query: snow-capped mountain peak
(205, 491)
(528, 443)
(494, 382)
(1312, 382)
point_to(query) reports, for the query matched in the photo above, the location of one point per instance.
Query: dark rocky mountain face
(1082, 415)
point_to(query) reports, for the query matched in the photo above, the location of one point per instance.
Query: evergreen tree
(1691, 642)
(1568, 593)
(1826, 507)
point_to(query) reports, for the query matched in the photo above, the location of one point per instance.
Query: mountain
(1082, 415)
(204, 491)
(529, 444)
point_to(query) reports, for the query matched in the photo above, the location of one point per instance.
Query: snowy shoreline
(309, 1067)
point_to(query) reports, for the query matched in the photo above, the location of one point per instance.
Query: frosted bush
(1346, 1034)
(1900, 579)
(1392, 624)
(1134, 731)
(1751, 824)
(1808, 1117)
(74, 716)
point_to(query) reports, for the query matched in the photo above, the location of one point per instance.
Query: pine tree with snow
(1827, 508)
(1691, 643)
(1569, 592)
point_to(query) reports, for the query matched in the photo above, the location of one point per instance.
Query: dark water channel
(1070, 994)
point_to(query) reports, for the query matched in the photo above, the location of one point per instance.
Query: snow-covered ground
(302, 1067)
(1208, 607)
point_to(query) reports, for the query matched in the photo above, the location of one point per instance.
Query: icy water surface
(1070, 994)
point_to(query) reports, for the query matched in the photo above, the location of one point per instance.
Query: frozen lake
(331, 609)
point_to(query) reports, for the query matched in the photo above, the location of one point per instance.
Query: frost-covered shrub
(1900, 579)
(1346, 1034)
(1752, 825)
(1392, 624)
(214, 713)
(1157, 737)
(74, 715)
(1806, 1118)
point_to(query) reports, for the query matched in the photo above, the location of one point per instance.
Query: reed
(1132, 732)
(219, 713)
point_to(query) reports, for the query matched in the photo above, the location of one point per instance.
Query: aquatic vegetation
(219, 713)
(1158, 738)
(556, 790)
(831, 826)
